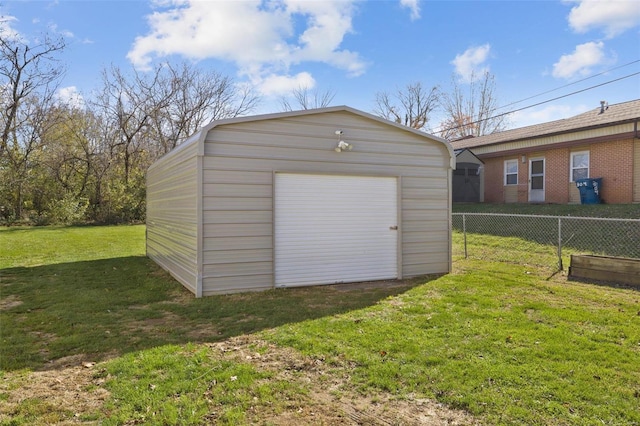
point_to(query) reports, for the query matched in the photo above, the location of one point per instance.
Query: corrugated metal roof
(616, 113)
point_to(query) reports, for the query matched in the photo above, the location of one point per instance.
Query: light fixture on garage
(342, 145)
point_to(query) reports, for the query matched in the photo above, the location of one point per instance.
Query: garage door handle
(394, 228)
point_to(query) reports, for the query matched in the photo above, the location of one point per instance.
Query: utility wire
(570, 84)
(538, 103)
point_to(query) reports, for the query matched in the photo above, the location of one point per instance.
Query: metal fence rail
(562, 235)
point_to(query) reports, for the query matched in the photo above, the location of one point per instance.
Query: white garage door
(333, 229)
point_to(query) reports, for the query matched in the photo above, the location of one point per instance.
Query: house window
(511, 172)
(579, 165)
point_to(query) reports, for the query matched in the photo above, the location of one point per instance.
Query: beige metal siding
(238, 216)
(636, 171)
(241, 158)
(172, 215)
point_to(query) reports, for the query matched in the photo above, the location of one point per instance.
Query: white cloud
(65, 33)
(413, 6)
(614, 17)
(6, 30)
(470, 62)
(580, 62)
(275, 85)
(70, 96)
(259, 37)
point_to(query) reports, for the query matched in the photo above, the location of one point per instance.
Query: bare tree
(196, 98)
(305, 98)
(29, 76)
(411, 105)
(145, 115)
(126, 106)
(25, 70)
(472, 113)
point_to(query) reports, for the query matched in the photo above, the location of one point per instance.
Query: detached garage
(312, 197)
(468, 178)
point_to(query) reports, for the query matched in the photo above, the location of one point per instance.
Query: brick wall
(612, 161)
(557, 176)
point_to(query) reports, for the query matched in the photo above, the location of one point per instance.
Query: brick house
(540, 163)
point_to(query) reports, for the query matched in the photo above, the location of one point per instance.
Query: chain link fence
(546, 241)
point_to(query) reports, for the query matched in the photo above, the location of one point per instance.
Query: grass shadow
(604, 283)
(65, 313)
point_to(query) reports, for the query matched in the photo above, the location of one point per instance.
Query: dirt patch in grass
(154, 325)
(73, 393)
(329, 400)
(202, 332)
(9, 302)
(69, 395)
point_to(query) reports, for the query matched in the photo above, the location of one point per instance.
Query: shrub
(68, 211)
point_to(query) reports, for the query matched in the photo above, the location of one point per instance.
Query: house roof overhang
(614, 121)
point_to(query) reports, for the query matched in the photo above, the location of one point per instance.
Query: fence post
(464, 233)
(560, 268)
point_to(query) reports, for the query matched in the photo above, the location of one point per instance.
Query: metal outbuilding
(468, 178)
(300, 198)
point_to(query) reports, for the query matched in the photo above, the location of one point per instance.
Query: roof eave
(562, 132)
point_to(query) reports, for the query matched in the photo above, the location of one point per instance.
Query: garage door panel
(334, 229)
(315, 278)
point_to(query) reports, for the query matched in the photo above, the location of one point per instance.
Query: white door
(332, 229)
(536, 180)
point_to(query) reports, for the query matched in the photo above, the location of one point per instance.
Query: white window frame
(506, 168)
(571, 166)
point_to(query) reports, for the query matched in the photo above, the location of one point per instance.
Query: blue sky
(358, 48)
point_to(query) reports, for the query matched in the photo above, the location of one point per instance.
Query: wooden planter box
(619, 270)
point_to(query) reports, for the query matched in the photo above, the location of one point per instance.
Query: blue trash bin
(589, 190)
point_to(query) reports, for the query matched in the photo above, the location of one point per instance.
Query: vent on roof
(604, 105)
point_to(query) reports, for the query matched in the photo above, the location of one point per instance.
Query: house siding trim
(592, 121)
(602, 130)
(514, 148)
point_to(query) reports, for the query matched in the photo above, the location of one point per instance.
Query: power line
(570, 84)
(538, 103)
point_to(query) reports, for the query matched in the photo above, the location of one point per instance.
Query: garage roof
(200, 135)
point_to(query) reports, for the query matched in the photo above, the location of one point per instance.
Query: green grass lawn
(506, 341)
(30, 247)
(623, 211)
(584, 229)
